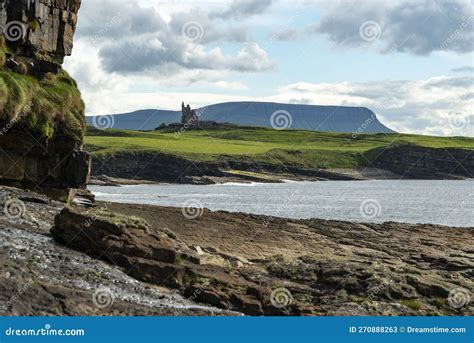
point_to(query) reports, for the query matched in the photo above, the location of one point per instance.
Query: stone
(121, 240)
(30, 161)
(188, 116)
(48, 30)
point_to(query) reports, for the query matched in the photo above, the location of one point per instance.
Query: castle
(188, 116)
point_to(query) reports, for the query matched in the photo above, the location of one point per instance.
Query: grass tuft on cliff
(51, 106)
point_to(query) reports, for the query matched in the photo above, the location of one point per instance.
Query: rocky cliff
(42, 120)
(39, 32)
(394, 161)
(411, 161)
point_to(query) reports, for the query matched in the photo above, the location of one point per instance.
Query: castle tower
(188, 115)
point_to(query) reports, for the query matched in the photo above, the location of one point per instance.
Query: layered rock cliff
(42, 119)
(411, 161)
(39, 32)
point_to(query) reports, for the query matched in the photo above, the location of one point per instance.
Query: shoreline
(219, 197)
(224, 263)
(286, 252)
(104, 180)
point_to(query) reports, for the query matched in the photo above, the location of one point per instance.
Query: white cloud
(231, 85)
(421, 106)
(134, 39)
(419, 27)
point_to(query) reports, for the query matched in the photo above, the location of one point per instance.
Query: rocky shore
(121, 259)
(397, 161)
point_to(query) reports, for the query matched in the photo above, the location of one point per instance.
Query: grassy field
(304, 148)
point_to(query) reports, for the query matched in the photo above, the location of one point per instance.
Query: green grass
(49, 106)
(414, 304)
(295, 147)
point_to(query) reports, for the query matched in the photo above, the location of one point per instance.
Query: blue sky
(411, 61)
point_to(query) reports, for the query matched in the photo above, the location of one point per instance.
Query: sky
(410, 61)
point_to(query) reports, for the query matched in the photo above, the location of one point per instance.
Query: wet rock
(121, 240)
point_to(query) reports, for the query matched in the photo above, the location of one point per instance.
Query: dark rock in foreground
(119, 264)
(157, 258)
(40, 277)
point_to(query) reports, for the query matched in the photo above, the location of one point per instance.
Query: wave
(245, 184)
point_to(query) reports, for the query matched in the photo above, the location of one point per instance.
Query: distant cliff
(411, 161)
(273, 115)
(42, 120)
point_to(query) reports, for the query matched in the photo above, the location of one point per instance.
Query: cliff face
(416, 162)
(42, 119)
(39, 32)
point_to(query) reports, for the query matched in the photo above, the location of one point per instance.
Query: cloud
(243, 9)
(464, 69)
(421, 106)
(285, 35)
(209, 30)
(133, 38)
(231, 85)
(418, 27)
(166, 57)
(107, 20)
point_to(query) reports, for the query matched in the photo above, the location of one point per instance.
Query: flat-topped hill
(265, 114)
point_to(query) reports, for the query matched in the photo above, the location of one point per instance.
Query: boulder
(121, 240)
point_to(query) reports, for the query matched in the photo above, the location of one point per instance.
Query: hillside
(303, 117)
(164, 156)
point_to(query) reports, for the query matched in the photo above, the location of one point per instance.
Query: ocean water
(410, 201)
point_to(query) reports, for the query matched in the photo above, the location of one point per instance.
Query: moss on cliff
(51, 106)
(3, 50)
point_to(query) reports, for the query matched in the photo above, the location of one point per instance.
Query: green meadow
(303, 148)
